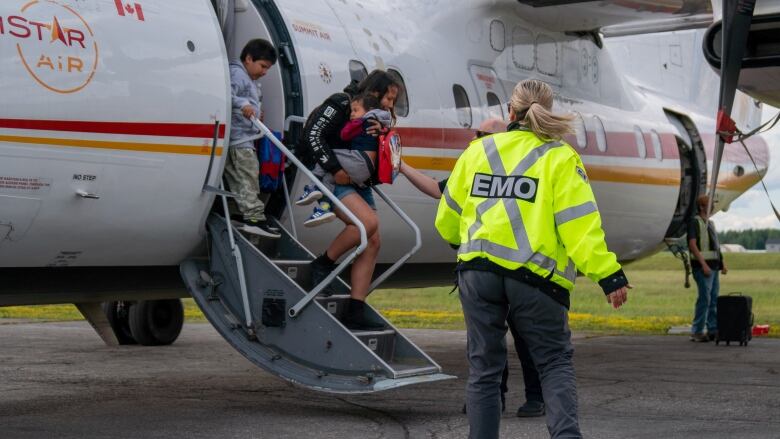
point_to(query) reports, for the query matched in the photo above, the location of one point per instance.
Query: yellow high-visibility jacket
(523, 202)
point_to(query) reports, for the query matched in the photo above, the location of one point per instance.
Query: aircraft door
(244, 20)
(693, 164)
(492, 97)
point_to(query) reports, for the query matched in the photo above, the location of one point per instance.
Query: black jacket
(321, 133)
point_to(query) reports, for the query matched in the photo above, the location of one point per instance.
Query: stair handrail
(239, 265)
(417, 241)
(287, 122)
(296, 309)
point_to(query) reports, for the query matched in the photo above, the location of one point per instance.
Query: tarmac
(60, 381)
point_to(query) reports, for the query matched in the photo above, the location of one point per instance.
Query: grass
(658, 300)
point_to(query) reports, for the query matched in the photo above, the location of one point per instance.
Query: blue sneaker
(310, 194)
(323, 213)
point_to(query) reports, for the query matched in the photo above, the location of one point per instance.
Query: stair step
(381, 342)
(313, 349)
(297, 270)
(335, 304)
(410, 370)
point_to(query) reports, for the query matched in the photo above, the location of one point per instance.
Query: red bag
(389, 157)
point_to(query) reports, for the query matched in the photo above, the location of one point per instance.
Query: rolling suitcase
(735, 319)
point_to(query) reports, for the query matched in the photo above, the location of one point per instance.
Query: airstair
(258, 295)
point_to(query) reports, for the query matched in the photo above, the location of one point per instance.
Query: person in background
(534, 400)
(520, 208)
(242, 168)
(706, 261)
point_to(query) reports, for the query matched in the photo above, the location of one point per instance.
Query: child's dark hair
(260, 50)
(368, 101)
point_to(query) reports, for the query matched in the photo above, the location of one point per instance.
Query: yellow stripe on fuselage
(121, 146)
(607, 173)
(615, 174)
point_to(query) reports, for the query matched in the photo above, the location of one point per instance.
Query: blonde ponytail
(532, 100)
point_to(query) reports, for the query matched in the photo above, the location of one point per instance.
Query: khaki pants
(242, 172)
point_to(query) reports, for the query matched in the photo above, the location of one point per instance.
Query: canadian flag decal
(130, 8)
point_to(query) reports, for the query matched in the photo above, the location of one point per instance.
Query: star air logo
(55, 44)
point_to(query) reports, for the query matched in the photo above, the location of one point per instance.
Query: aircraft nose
(741, 169)
(756, 158)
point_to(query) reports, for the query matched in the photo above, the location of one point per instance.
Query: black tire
(118, 317)
(156, 322)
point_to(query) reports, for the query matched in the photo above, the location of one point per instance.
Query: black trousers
(533, 386)
(488, 301)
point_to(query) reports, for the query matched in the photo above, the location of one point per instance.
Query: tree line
(751, 239)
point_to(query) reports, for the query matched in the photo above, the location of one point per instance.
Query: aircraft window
(641, 148)
(495, 109)
(402, 101)
(580, 133)
(462, 105)
(656, 139)
(601, 134)
(497, 35)
(523, 48)
(357, 71)
(546, 55)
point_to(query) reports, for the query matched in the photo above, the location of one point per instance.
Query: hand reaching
(618, 297)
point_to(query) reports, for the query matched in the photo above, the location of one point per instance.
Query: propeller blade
(737, 16)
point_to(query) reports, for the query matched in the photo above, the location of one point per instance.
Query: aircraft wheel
(117, 314)
(156, 322)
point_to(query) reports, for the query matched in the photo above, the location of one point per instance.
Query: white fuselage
(122, 106)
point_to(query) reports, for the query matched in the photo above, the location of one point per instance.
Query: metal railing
(296, 309)
(264, 131)
(417, 241)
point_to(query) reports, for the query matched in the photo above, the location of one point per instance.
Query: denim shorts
(342, 190)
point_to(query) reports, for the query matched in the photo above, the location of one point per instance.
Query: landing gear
(156, 322)
(117, 315)
(146, 322)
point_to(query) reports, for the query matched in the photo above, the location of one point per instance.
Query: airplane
(116, 115)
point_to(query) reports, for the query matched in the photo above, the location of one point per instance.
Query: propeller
(737, 15)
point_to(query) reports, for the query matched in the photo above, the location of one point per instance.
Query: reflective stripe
(543, 261)
(575, 212)
(571, 272)
(510, 254)
(494, 158)
(450, 202)
(485, 246)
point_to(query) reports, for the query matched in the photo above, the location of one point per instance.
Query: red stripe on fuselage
(128, 128)
(619, 144)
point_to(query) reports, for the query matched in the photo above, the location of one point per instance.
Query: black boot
(319, 269)
(356, 320)
(531, 409)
